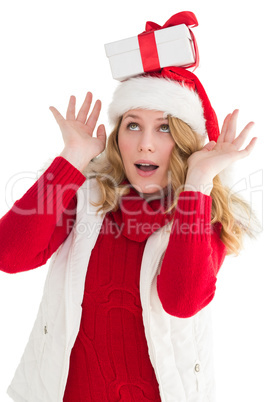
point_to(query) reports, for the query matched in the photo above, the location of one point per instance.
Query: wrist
(75, 157)
(198, 182)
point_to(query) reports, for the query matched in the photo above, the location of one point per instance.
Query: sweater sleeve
(38, 223)
(194, 255)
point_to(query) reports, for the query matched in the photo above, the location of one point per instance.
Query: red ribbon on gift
(147, 43)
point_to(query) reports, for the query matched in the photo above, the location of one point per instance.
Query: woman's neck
(155, 196)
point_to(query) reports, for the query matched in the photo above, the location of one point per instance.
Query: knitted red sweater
(110, 361)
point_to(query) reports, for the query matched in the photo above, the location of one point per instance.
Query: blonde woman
(138, 225)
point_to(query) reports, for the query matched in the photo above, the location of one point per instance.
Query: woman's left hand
(216, 156)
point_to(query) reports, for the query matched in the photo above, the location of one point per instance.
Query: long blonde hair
(108, 169)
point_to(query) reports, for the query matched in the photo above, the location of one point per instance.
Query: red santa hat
(175, 91)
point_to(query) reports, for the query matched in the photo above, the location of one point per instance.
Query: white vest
(180, 349)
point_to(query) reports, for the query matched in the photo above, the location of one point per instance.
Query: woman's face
(144, 137)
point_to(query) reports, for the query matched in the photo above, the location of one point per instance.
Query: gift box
(151, 51)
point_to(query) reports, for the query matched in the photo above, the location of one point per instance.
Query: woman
(138, 235)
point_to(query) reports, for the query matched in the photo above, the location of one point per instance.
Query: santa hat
(175, 91)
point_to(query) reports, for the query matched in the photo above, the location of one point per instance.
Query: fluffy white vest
(180, 349)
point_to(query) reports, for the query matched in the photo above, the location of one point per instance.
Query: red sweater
(109, 360)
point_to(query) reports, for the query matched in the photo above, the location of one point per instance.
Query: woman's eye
(165, 128)
(133, 126)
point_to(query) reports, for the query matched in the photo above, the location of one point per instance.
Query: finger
(92, 120)
(70, 115)
(209, 146)
(231, 129)
(83, 112)
(224, 128)
(101, 133)
(59, 118)
(238, 142)
(245, 152)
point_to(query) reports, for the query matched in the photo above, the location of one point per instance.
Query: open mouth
(146, 168)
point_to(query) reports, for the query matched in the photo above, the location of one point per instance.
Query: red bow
(147, 42)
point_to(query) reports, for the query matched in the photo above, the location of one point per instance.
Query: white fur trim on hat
(158, 93)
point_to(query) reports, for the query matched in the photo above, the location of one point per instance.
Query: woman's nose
(146, 142)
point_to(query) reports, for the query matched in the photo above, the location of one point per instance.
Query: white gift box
(174, 47)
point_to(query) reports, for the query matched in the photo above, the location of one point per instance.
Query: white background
(55, 49)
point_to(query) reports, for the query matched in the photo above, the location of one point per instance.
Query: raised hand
(216, 156)
(77, 132)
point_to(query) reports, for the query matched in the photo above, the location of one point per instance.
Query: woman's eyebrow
(134, 116)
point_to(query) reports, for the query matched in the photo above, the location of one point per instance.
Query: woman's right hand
(77, 133)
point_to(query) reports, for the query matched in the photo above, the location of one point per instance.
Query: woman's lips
(145, 174)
